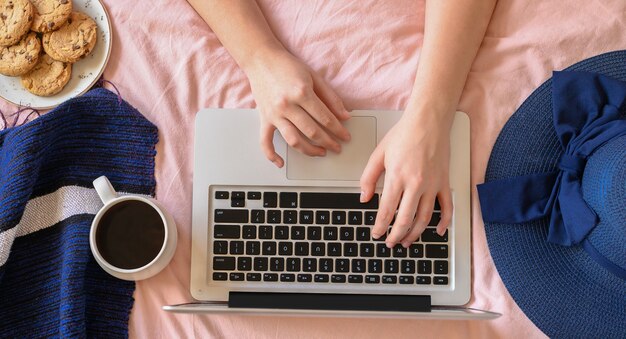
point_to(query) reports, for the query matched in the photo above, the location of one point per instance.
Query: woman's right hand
(295, 100)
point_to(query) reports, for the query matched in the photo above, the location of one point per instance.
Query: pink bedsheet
(168, 64)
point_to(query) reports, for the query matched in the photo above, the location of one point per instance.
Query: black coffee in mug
(130, 234)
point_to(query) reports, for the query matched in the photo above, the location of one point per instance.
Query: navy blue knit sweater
(50, 285)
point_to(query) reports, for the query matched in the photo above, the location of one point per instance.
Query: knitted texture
(50, 285)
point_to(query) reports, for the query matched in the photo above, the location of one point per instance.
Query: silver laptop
(296, 240)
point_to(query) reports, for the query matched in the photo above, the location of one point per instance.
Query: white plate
(85, 72)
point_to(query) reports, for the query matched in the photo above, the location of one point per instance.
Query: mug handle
(105, 189)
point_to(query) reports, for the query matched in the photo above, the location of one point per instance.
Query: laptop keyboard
(315, 238)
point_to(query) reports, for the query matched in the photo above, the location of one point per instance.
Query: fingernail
(441, 233)
(345, 113)
(362, 198)
(389, 245)
(375, 235)
(347, 136)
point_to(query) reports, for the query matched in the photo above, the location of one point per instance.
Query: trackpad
(347, 165)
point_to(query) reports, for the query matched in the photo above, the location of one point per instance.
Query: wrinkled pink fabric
(168, 64)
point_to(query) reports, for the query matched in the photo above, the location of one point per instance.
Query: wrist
(259, 57)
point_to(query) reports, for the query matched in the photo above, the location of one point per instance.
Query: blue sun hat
(554, 201)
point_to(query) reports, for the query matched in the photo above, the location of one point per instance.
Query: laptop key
(406, 279)
(226, 232)
(274, 217)
(339, 218)
(370, 218)
(297, 232)
(424, 267)
(330, 233)
(362, 233)
(320, 200)
(265, 232)
(302, 248)
(334, 249)
(288, 199)
(253, 276)
(244, 264)
(434, 219)
(223, 263)
(290, 217)
(220, 247)
(258, 216)
(399, 251)
(239, 195)
(235, 276)
(309, 265)
(342, 265)
(220, 276)
(314, 233)
(238, 216)
(281, 232)
(338, 278)
(254, 195)
(270, 199)
(237, 203)
(221, 195)
(416, 251)
(293, 264)
(391, 266)
(318, 249)
(249, 232)
(355, 218)
(321, 278)
(287, 277)
(260, 264)
(236, 247)
(355, 279)
(390, 279)
(270, 277)
(350, 249)
(367, 250)
(358, 265)
(277, 264)
(430, 235)
(306, 217)
(436, 251)
(346, 233)
(305, 277)
(422, 280)
(322, 217)
(269, 248)
(326, 265)
(441, 267)
(253, 248)
(285, 248)
(407, 266)
(372, 279)
(374, 266)
(441, 280)
(382, 251)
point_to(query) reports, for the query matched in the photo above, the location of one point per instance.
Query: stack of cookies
(26, 26)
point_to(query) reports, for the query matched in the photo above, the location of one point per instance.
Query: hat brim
(561, 289)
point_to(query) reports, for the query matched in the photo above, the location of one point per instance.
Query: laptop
(296, 240)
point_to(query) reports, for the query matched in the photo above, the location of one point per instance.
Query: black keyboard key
(330, 233)
(422, 280)
(383, 251)
(334, 249)
(253, 248)
(326, 265)
(235, 276)
(314, 233)
(322, 217)
(265, 232)
(351, 249)
(258, 216)
(372, 279)
(220, 247)
(253, 276)
(260, 264)
(220, 275)
(362, 233)
(399, 251)
(221, 195)
(306, 217)
(391, 266)
(244, 264)
(346, 233)
(416, 251)
(287, 277)
(297, 232)
(339, 218)
(355, 279)
(226, 232)
(406, 279)
(342, 265)
(302, 248)
(270, 276)
(434, 220)
(321, 278)
(424, 267)
(269, 248)
(285, 248)
(249, 232)
(440, 280)
(238, 203)
(281, 232)
(336, 201)
(254, 195)
(441, 267)
(407, 266)
(239, 195)
(358, 266)
(430, 235)
(288, 200)
(277, 264)
(223, 263)
(305, 278)
(355, 218)
(309, 265)
(274, 216)
(270, 199)
(374, 266)
(367, 250)
(370, 218)
(338, 278)
(290, 217)
(436, 251)
(231, 216)
(318, 249)
(437, 206)
(236, 247)
(390, 279)
(293, 264)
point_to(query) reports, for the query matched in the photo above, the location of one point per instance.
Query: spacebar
(324, 301)
(336, 201)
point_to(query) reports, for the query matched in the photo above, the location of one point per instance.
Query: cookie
(75, 39)
(48, 77)
(20, 58)
(16, 17)
(50, 14)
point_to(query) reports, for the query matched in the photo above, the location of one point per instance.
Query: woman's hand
(298, 102)
(415, 156)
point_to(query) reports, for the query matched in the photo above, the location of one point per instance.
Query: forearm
(453, 33)
(240, 27)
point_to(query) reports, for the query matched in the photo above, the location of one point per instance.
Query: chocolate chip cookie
(75, 39)
(48, 77)
(50, 14)
(16, 16)
(20, 58)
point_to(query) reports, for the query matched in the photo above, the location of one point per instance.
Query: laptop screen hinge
(324, 301)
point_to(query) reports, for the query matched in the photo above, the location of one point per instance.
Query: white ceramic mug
(110, 199)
